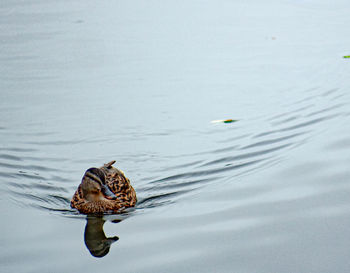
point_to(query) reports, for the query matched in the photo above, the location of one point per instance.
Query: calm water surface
(86, 82)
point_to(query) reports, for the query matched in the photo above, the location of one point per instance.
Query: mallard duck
(104, 190)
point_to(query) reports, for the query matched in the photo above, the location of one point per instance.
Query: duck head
(94, 186)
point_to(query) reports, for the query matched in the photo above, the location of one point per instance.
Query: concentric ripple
(47, 181)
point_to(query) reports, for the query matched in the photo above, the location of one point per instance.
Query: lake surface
(86, 82)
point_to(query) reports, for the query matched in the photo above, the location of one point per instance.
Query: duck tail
(109, 164)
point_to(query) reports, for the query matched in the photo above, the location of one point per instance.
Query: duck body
(104, 190)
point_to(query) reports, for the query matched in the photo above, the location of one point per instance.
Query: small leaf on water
(347, 57)
(224, 121)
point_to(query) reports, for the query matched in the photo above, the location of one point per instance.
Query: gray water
(86, 82)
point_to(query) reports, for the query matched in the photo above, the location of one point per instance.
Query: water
(83, 83)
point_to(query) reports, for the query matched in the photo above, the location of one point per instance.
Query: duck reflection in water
(95, 238)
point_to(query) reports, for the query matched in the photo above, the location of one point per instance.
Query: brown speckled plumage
(118, 184)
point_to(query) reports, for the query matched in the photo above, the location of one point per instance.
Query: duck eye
(95, 191)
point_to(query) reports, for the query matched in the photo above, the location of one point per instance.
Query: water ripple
(272, 141)
(246, 155)
(27, 167)
(240, 149)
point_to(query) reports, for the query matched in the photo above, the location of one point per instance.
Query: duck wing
(119, 184)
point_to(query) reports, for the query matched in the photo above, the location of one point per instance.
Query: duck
(104, 190)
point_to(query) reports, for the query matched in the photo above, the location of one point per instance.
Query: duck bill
(108, 193)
